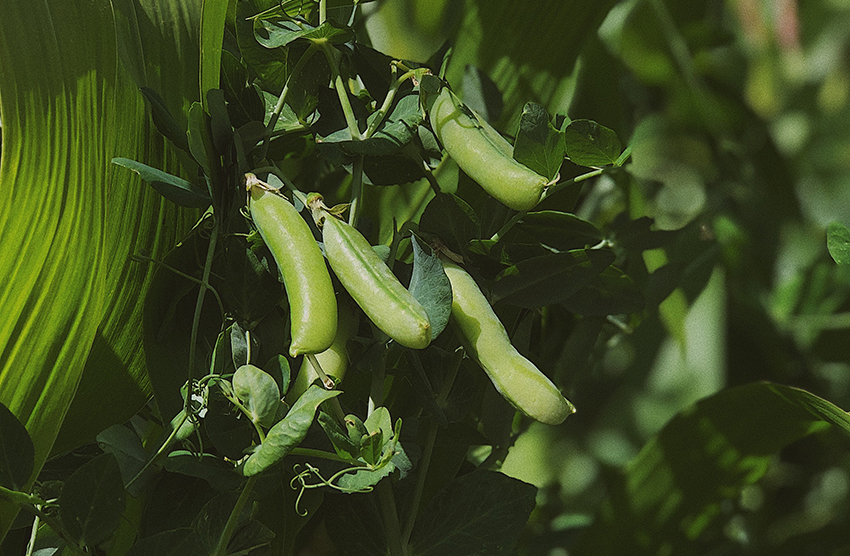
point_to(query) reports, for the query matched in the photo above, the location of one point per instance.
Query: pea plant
(365, 317)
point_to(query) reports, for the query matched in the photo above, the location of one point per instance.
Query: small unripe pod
(334, 360)
(516, 378)
(388, 304)
(483, 154)
(312, 301)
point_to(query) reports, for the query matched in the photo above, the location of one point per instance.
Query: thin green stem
(144, 258)
(428, 450)
(161, 449)
(323, 11)
(233, 519)
(390, 514)
(376, 390)
(341, 91)
(500, 234)
(199, 304)
(33, 535)
(281, 100)
(356, 191)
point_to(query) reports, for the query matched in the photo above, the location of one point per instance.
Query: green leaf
(212, 519)
(289, 432)
(611, 293)
(213, 17)
(92, 501)
(548, 279)
(271, 65)
(278, 368)
(675, 487)
(338, 437)
(838, 243)
(478, 514)
(16, 452)
(431, 287)
(452, 220)
(164, 121)
(220, 126)
(590, 144)
(177, 190)
(272, 33)
(175, 542)
(397, 130)
(258, 392)
(157, 46)
(230, 432)
(218, 473)
(126, 446)
(538, 144)
(559, 230)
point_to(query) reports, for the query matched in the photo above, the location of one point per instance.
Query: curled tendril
(302, 485)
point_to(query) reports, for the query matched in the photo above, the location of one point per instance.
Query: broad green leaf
(175, 542)
(611, 293)
(218, 473)
(394, 132)
(675, 487)
(452, 220)
(229, 430)
(560, 230)
(271, 65)
(838, 242)
(164, 121)
(16, 452)
(278, 368)
(339, 438)
(209, 524)
(272, 33)
(157, 44)
(92, 501)
(515, 47)
(481, 513)
(213, 17)
(289, 432)
(430, 286)
(123, 443)
(590, 144)
(177, 190)
(258, 392)
(538, 144)
(550, 278)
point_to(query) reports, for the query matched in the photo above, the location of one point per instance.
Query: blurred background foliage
(737, 115)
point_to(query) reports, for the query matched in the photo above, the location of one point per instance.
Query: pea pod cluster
(483, 154)
(516, 378)
(312, 301)
(371, 283)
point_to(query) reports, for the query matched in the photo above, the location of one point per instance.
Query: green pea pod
(312, 301)
(483, 154)
(487, 341)
(373, 286)
(334, 360)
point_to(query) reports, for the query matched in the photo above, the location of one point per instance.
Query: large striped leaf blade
(56, 97)
(158, 46)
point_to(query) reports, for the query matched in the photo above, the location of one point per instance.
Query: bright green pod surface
(484, 336)
(312, 301)
(484, 155)
(374, 287)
